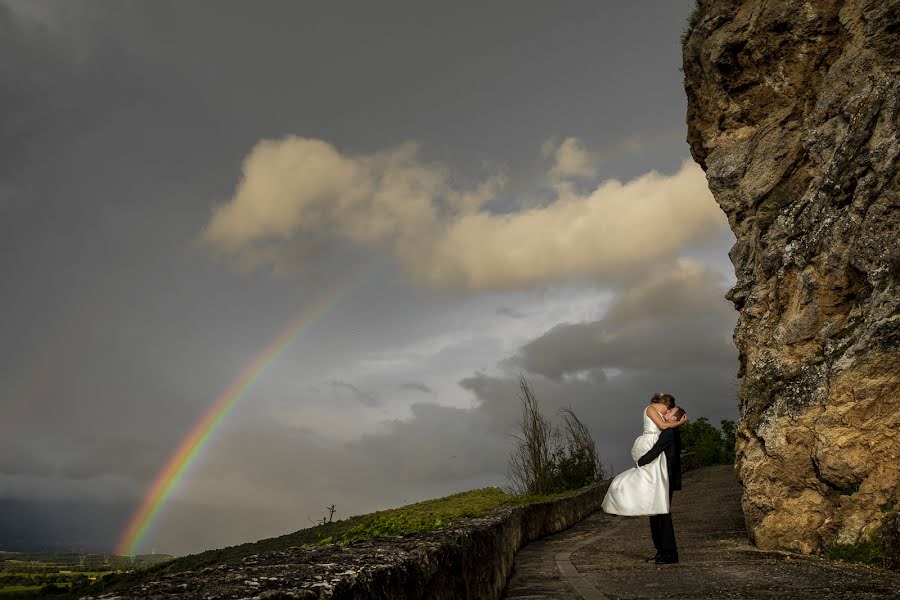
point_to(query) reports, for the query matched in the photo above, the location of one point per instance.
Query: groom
(661, 525)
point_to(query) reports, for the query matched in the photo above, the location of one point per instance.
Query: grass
(862, 552)
(9, 589)
(434, 514)
(882, 549)
(421, 516)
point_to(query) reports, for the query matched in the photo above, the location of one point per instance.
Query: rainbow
(181, 461)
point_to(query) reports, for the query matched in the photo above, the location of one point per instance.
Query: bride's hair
(667, 399)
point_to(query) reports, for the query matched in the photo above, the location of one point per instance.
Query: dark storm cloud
(54, 92)
(34, 73)
(91, 457)
(416, 386)
(59, 525)
(437, 444)
(497, 399)
(677, 318)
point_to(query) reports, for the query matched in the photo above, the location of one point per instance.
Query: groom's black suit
(661, 525)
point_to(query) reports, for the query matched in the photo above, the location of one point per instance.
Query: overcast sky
(180, 180)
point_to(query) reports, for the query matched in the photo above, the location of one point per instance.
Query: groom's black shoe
(667, 560)
(653, 559)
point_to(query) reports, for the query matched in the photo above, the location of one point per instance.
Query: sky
(180, 181)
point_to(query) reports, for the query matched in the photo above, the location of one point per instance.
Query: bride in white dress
(642, 491)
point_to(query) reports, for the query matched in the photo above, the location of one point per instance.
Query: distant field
(19, 588)
(26, 578)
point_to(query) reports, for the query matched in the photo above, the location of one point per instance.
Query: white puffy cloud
(570, 159)
(295, 192)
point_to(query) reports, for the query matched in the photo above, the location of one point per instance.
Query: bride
(645, 490)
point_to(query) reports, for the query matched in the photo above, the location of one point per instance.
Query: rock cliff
(793, 112)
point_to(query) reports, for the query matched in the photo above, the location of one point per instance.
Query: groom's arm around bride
(669, 442)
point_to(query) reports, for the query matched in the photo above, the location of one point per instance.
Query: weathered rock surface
(793, 112)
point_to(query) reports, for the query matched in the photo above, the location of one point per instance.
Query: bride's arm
(662, 423)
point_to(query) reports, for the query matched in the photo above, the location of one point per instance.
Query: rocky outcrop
(793, 112)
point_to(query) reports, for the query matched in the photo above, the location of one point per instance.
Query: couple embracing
(647, 488)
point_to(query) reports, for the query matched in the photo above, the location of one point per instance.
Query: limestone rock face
(793, 112)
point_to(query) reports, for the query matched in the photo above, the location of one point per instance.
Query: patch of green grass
(861, 552)
(434, 514)
(430, 514)
(15, 589)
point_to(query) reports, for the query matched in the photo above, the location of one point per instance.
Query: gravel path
(603, 557)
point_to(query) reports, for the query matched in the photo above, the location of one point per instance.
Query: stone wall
(794, 113)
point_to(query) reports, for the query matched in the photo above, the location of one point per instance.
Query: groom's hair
(679, 413)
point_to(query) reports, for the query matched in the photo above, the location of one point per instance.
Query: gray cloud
(364, 397)
(676, 318)
(57, 92)
(30, 93)
(512, 313)
(416, 386)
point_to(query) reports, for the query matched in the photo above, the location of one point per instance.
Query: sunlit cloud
(570, 159)
(393, 201)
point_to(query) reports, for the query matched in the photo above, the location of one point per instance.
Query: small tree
(544, 461)
(576, 464)
(531, 463)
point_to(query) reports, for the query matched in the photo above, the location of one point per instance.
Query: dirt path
(603, 557)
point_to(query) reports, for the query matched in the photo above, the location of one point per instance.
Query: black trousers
(663, 533)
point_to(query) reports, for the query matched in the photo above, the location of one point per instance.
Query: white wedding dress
(641, 490)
